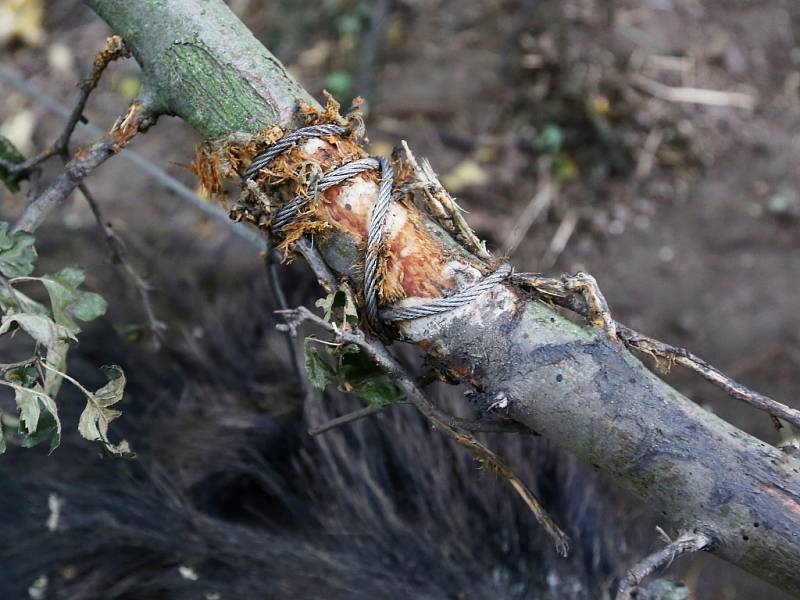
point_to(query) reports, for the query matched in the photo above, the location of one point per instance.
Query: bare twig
(689, 542)
(137, 119)
(441, 204)
(556, 291)
(692, 95)
(469, 425)
(378, 353)
(560, 238)
(280, 299)
(546, 191)
(13, 78)
(642, 343)
(369, 45)
(117, 248)
(351, 417)
(318, 265)
(115, 48)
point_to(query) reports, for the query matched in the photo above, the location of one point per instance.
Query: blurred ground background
(565, 129)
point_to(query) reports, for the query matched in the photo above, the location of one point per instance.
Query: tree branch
(689, 542)
(138, 118)
(571, 383)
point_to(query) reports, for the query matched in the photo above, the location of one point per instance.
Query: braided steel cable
(446, 304)
(289, 140)
(377, 221)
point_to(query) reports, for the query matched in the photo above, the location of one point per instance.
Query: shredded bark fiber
(414, 259)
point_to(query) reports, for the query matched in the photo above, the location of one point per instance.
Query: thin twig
(555, 291)
(683, 357)
(468, 424)
(560, 238)
(280, 299)
(368, 49)
(441, 204)
(21, 363)
(692, 95)
(137, 119)
(378, 353)
(689, 542)
(318, 265)
(115, 48)
(116, 246)
(14, 79)
(351, 417)
(546, 191)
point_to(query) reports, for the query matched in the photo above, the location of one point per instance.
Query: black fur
(227, 482)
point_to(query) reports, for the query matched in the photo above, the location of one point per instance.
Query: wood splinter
(688, 542)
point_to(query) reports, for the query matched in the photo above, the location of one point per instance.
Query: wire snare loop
(377, 220)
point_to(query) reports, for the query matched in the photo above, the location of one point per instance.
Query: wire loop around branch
(375, 234)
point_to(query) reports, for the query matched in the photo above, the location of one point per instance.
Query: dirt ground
(684, 205)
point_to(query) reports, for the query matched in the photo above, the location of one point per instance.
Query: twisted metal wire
(339, 175)
(442, 305)
(289, 140)
(375, 237)
(377, 221)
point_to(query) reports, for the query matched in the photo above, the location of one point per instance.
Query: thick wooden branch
(570, 383)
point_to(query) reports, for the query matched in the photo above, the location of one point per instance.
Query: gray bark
(568, 382)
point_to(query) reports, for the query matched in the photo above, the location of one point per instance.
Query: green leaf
(338, 303)
(95, 418)
(17, 253)
(319, 372)
(2, 437)
(362, 377)
(38, 412)
(19, 302)
(40, 327)
(9, 153)
(68, 302)
(49, 429)
(378, 391)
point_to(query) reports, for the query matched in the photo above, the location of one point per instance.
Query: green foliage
(339, 307)
(319, 372)
(9, 153)
(361, 376)
(550, 139)
(17, 253)
(52, 330)
(354, 370)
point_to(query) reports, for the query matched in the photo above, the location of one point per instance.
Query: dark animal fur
(228, 482)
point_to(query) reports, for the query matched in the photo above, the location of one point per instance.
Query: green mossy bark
(201, 64)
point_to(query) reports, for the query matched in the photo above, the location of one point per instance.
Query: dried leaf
(96, 416)
(467, 174)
